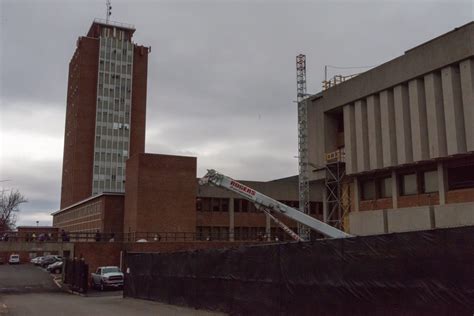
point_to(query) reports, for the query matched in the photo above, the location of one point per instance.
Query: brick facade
(160, 194)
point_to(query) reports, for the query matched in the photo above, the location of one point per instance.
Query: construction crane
(269, 205)
(303, 161)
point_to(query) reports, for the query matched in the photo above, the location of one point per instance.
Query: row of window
(108, 129)
(79, 212)
(108, 185)
(417, 182)
(118, 55)
(206, 204)
(120, 41)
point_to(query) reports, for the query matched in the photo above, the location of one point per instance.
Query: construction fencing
(417, 273)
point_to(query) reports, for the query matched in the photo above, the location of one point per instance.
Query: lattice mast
(303, 161)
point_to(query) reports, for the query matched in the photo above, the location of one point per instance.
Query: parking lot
(29, 290)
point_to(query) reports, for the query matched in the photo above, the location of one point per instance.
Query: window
(368, 190)
(461, 177)
(430, 181)
(408, 184)
(385, 187)
(215, 205)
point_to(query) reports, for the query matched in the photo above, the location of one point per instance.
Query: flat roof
(86, 200)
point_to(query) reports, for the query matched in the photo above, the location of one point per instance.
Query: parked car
(107, 277)
(56, 267)
(14, 259)
(47, 260)
(36, 260)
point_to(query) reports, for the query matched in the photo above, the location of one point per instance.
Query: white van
(14, 259)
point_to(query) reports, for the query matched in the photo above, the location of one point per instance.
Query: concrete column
(387, 118)
(467, 87)
(374, 132)
(350, 139)
(453, 110)
(435, 116)
(356, 194)
(394, 190)
(419, 125)
(231, 219)
(442, 184)
(403, 124)
(362, 137)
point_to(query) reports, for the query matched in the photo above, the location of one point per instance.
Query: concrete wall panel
(453, 110)
(366, 223)
(387, 117)
(350, 139)
(454, 215)
(409, 219)
(467, 87)
(362, 137)
(435, 115)
(419, 128)
(403, 124)
(375, 132)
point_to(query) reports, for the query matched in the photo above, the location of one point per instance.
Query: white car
(14, 259)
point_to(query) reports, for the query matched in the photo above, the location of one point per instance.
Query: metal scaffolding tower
(337, 189)
(303, 162)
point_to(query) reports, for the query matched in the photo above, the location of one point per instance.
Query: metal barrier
(76, 275)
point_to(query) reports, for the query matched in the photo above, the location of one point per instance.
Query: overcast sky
(221, 76)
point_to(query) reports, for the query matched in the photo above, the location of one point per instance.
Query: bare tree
(9, 208)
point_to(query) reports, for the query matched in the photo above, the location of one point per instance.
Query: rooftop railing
(114, 23)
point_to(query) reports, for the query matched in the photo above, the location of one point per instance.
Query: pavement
(28, 290)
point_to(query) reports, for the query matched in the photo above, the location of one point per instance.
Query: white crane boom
(267, 204)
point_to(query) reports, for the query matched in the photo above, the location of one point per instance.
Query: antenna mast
(303, 162)
(108, 13)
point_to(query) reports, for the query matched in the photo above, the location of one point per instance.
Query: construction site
(379, 219)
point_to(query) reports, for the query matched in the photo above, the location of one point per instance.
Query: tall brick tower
(106, 107)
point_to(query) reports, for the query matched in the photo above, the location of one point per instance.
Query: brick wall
(160, 194)
(460, 196)
(138, 111)
(80, 122)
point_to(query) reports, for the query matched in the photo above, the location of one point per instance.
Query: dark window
(224, 205)
(245, 206)
(236, 205)
(368, 190)
(215, 203)
(430, 181)
(408, 184)
(385, 187)
(461, 177)
(206, 204)
(198, 204)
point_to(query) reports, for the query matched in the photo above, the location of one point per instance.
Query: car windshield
(110, 269)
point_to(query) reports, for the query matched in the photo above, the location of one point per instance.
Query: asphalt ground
(27, 290)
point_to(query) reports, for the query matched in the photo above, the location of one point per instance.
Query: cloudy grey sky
(221, 76)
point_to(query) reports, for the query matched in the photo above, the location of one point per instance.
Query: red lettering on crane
(242, 188)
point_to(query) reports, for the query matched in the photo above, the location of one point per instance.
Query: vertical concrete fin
(389, 141)
(453, 110)
(435, 115)
(350, 139)
(375, 132)
(467, 87)
(362, 139)
(419, 128)
(403, 124)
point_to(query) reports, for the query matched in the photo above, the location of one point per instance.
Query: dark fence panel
(417, 273)
(76, 275)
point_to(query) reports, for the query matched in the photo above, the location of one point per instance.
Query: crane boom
(268, 204)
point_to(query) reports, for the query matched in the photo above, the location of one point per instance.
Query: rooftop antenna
(108, 4)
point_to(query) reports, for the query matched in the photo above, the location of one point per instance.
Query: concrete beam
(435, 115)
(375, 132)
(442, 183)
(350, 139)
(387, 118)
(403, 124)
(467, 87)
(362, 137)
(231, 219)
(356, 197)
(419, 128)
(453, 110)
(394, 189)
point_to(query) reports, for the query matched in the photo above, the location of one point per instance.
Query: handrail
(114, 23)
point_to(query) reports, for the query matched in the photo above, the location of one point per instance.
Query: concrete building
(105, 116)
(405, 133)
